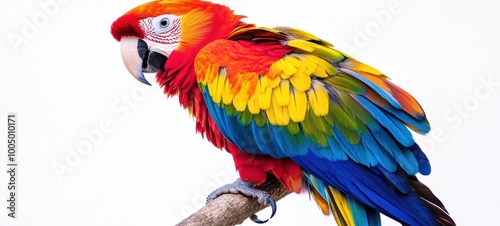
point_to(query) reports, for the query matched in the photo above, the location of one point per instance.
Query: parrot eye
(164, 23)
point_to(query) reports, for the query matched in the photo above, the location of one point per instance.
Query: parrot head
(164, 36)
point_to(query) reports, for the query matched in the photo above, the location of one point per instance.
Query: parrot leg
(247, 189)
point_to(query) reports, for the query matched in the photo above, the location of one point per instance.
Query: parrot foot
(247, 189)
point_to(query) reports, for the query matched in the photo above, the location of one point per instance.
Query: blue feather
(395, 178)
(354, 151)
(366, 186)
(397, 128)
(384, 158)
(424, 166)
(387, 96)
(358, 212)
(336, 150)
(422, 125)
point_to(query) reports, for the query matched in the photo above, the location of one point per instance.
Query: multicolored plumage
(285, 102)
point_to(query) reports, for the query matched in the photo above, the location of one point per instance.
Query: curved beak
(138, 59)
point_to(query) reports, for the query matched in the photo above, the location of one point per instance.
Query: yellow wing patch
(285, 92)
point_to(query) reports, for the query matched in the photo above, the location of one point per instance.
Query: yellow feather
(301, 44)
(300, 80)
(282, 93)
(212, 87)
(286, 116)
(253, 101)
(275, 82)
(270, 115)
(227, 96)
(241, 98)
(320, 72)
(280, 113)
(320, 50)
(289, 71)
(291, 64)
(291, 59)
(356, 65)
(267, 82)
(263, 83)
(343, 205)
(298, 105)
(253, 106)
(274, 71)
(265, 98)
(318, 100)
(219, 85)
(211, 74)
(239, 105)
(322, 65)
(309, 65)
(281, 64)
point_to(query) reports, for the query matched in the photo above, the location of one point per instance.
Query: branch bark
(232, 209)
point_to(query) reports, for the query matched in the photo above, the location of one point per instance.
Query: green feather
(358, 110)
(347, 119)
(293, 127)
(245, 117)
(230, 110)
(347, 84)
(260, 119)
(316, 128)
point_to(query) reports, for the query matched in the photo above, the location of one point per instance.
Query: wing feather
(341, 120)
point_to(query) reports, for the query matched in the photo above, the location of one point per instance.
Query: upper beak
(139, 59)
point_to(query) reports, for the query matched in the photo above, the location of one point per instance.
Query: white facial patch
(162, 33)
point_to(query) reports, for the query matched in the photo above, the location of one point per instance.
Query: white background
(150, 168)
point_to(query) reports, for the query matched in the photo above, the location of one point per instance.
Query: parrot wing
(287, 94)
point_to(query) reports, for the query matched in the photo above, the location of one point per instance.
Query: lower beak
(138, 59)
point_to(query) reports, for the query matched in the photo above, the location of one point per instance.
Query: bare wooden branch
(232, 209)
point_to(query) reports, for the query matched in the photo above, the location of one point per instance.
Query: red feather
(127, 25)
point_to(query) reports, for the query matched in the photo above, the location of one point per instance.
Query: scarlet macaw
(284, 102)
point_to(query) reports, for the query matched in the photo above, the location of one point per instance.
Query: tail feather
(349, 212)
(356, 195)
(326, 208)
(345, 210)
(432, 202)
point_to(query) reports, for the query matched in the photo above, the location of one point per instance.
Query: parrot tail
(432, 202)
(346, 210)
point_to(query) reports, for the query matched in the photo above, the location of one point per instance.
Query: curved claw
(246, 188)
(272, 203)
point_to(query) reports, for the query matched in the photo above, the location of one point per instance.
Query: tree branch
(232, 209)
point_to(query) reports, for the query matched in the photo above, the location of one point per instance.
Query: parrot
(289, 105)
